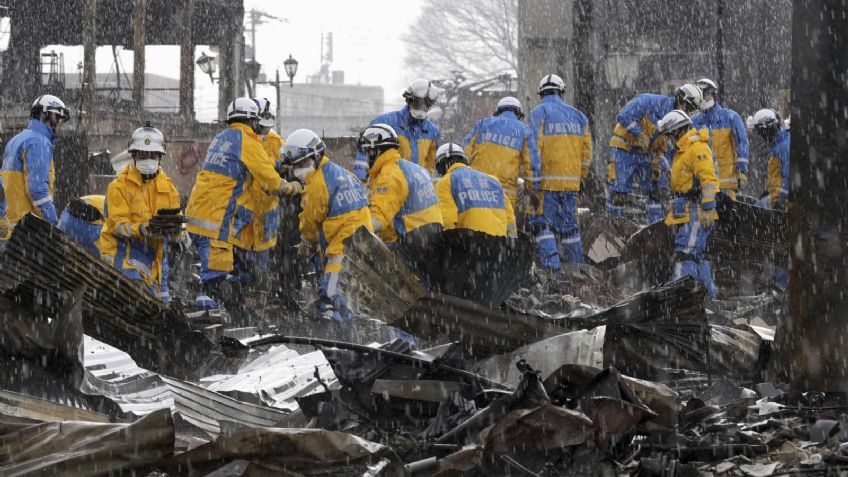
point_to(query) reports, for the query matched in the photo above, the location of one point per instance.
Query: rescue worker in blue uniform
(504, 147)
(637, 151)
(728, 139)
(694, 186)
(335, 205)
(401, 193)
(565, 151)
(82, 221)
(28, 173)
(768, 125)
(417, 135)
(470, 199)
(221, 208)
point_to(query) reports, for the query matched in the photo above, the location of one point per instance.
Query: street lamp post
(207, 65)
(290, 65)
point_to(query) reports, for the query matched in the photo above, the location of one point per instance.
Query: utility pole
(89, 40)
(139, 42)
(187, 61)
(811, 342)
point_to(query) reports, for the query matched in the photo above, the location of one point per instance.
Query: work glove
(291, 188)
(181, 241)
(167, 223)
(4, 227)
(643, 142)
(147, 231)
(741, 180)
(305, 249)
(706, 218)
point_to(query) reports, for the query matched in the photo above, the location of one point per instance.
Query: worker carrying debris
(565, 150)
(334, 205)
(221, 208)
(401, 193)
(417, 135)
(728, 138)
(28, 173)
(470, 199)
(82, 220)
(636, 149)
(142, 215)
(504, 147)
(694, 186)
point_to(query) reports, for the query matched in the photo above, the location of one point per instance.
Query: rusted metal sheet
(30, 407)
(418, 389)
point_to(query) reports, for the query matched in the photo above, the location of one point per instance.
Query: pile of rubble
(605, 370)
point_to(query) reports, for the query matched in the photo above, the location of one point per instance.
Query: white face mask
(418, 113)
(707, 104)
(303, 172)
(694, 114)
(147, 166)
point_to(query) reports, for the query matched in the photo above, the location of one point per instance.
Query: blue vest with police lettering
(421, 195)
(472, 189)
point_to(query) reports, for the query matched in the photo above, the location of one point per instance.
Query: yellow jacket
(402, 197)
(266, 222)
(472, 200)
(564, 142)
(693, 176)
(131, 202)
(221, 205)
(334, 205)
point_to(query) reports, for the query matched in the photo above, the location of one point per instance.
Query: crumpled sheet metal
(542, 428)
(290, 452)
(87, 449)
(583, 347)
(29, 407)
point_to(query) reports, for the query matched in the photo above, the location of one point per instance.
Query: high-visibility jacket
(28, 173)
(640, 117)
(335, 205)
(402, 197)
(693, 177)
(266, 221)
(84, 230)
(221, 206)
(418, 140)
(472, 200)
(728, 141)
(131, 202)
(504, 147)
(565, 145)
(778, 169)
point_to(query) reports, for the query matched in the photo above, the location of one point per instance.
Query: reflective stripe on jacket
(693, 176)
(402, 197)
(28, 173)
(220, 206)
(565, 145)
(472, 200)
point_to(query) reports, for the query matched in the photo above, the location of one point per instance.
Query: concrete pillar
(139, 42)
(230, 59)
(811, 343)
(89, 43)
(22, 73)
(187, 61)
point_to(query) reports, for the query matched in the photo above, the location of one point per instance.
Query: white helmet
(707, 86)
(48, 103)
(508, 103)
(765, 118)
(266, 117)
(377, 136)
(446, 152)
(243, 108)
(301, 145)
(147, 138)
(673, 121)
(689, 94)
(551, 82)
(423, 90)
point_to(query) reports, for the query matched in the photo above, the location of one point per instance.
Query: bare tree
(477, 40)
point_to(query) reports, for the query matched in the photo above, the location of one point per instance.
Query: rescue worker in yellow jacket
(222, 207)
(504, 147)
(565, 150)
(335, 205)
(28, 173)
(138, 225)
(470, 199)
(82, 220)
(402, 195)
(694, 186)
(728, 138)
(267, 218)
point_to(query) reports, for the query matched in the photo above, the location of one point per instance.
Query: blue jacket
(504, 147)
(728, 140)
(565, 145)
(640, 116)
(418, 141)
(28, 173)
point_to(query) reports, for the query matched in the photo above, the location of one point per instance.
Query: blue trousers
(690, 245)
(557, 235)
(633, 167)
